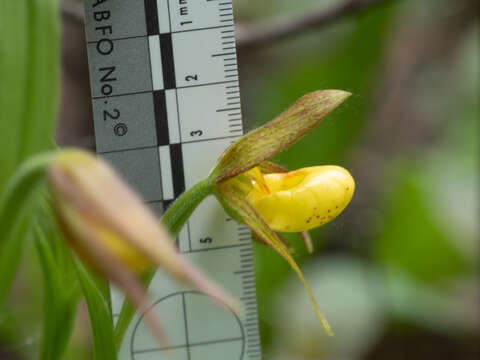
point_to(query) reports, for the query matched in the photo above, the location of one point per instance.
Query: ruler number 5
(191, 77)
(206, 240)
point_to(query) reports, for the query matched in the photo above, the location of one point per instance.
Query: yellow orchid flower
(93, 205)
(294, 201)
(301, 200)
(267, 197)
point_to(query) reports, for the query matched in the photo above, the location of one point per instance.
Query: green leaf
(424, 305)
(61, 291)
(410, 233)
(277, 135)
(29, 73)
(234, 200)
(11, 335)
(99, 310)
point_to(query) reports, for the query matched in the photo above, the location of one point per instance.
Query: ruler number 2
(191, 77)
(119, 129)
(114, 115)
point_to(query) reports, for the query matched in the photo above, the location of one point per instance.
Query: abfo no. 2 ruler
(166, 103)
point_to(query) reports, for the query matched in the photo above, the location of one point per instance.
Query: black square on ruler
(151, 14)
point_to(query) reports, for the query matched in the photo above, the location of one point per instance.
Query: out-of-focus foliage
(99, 308)
(30, 70)
(29, 73)
(344, 286)
(349, 63)
(397, 273)
(417, 233)
(61, 289)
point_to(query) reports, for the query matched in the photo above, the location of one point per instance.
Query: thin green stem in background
(16, 206)
(61, 289)
(99, 311)
(174, 218)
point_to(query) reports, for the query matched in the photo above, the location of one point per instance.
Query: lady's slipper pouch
(304, 199)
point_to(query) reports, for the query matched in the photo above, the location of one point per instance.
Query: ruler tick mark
(186, 326)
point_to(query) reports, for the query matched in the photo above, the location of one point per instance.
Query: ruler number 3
(196, 133)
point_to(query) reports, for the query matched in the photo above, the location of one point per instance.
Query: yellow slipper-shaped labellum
(303, 199)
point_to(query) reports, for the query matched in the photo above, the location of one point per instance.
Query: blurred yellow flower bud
(90, 200)
(111, 229)
(301, 200)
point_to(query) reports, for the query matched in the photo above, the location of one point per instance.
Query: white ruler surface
(166, 103)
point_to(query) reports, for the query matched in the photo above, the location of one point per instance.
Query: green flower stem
(174, 218)
(178, 213)
(15, 207)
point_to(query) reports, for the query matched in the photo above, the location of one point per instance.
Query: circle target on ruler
(204, 330)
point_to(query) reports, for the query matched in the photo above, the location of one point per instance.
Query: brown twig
(257, 34)
(72, 12)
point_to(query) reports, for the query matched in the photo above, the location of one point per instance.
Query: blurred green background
(397, 272)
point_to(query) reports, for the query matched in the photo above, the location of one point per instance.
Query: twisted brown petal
(280, 133)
